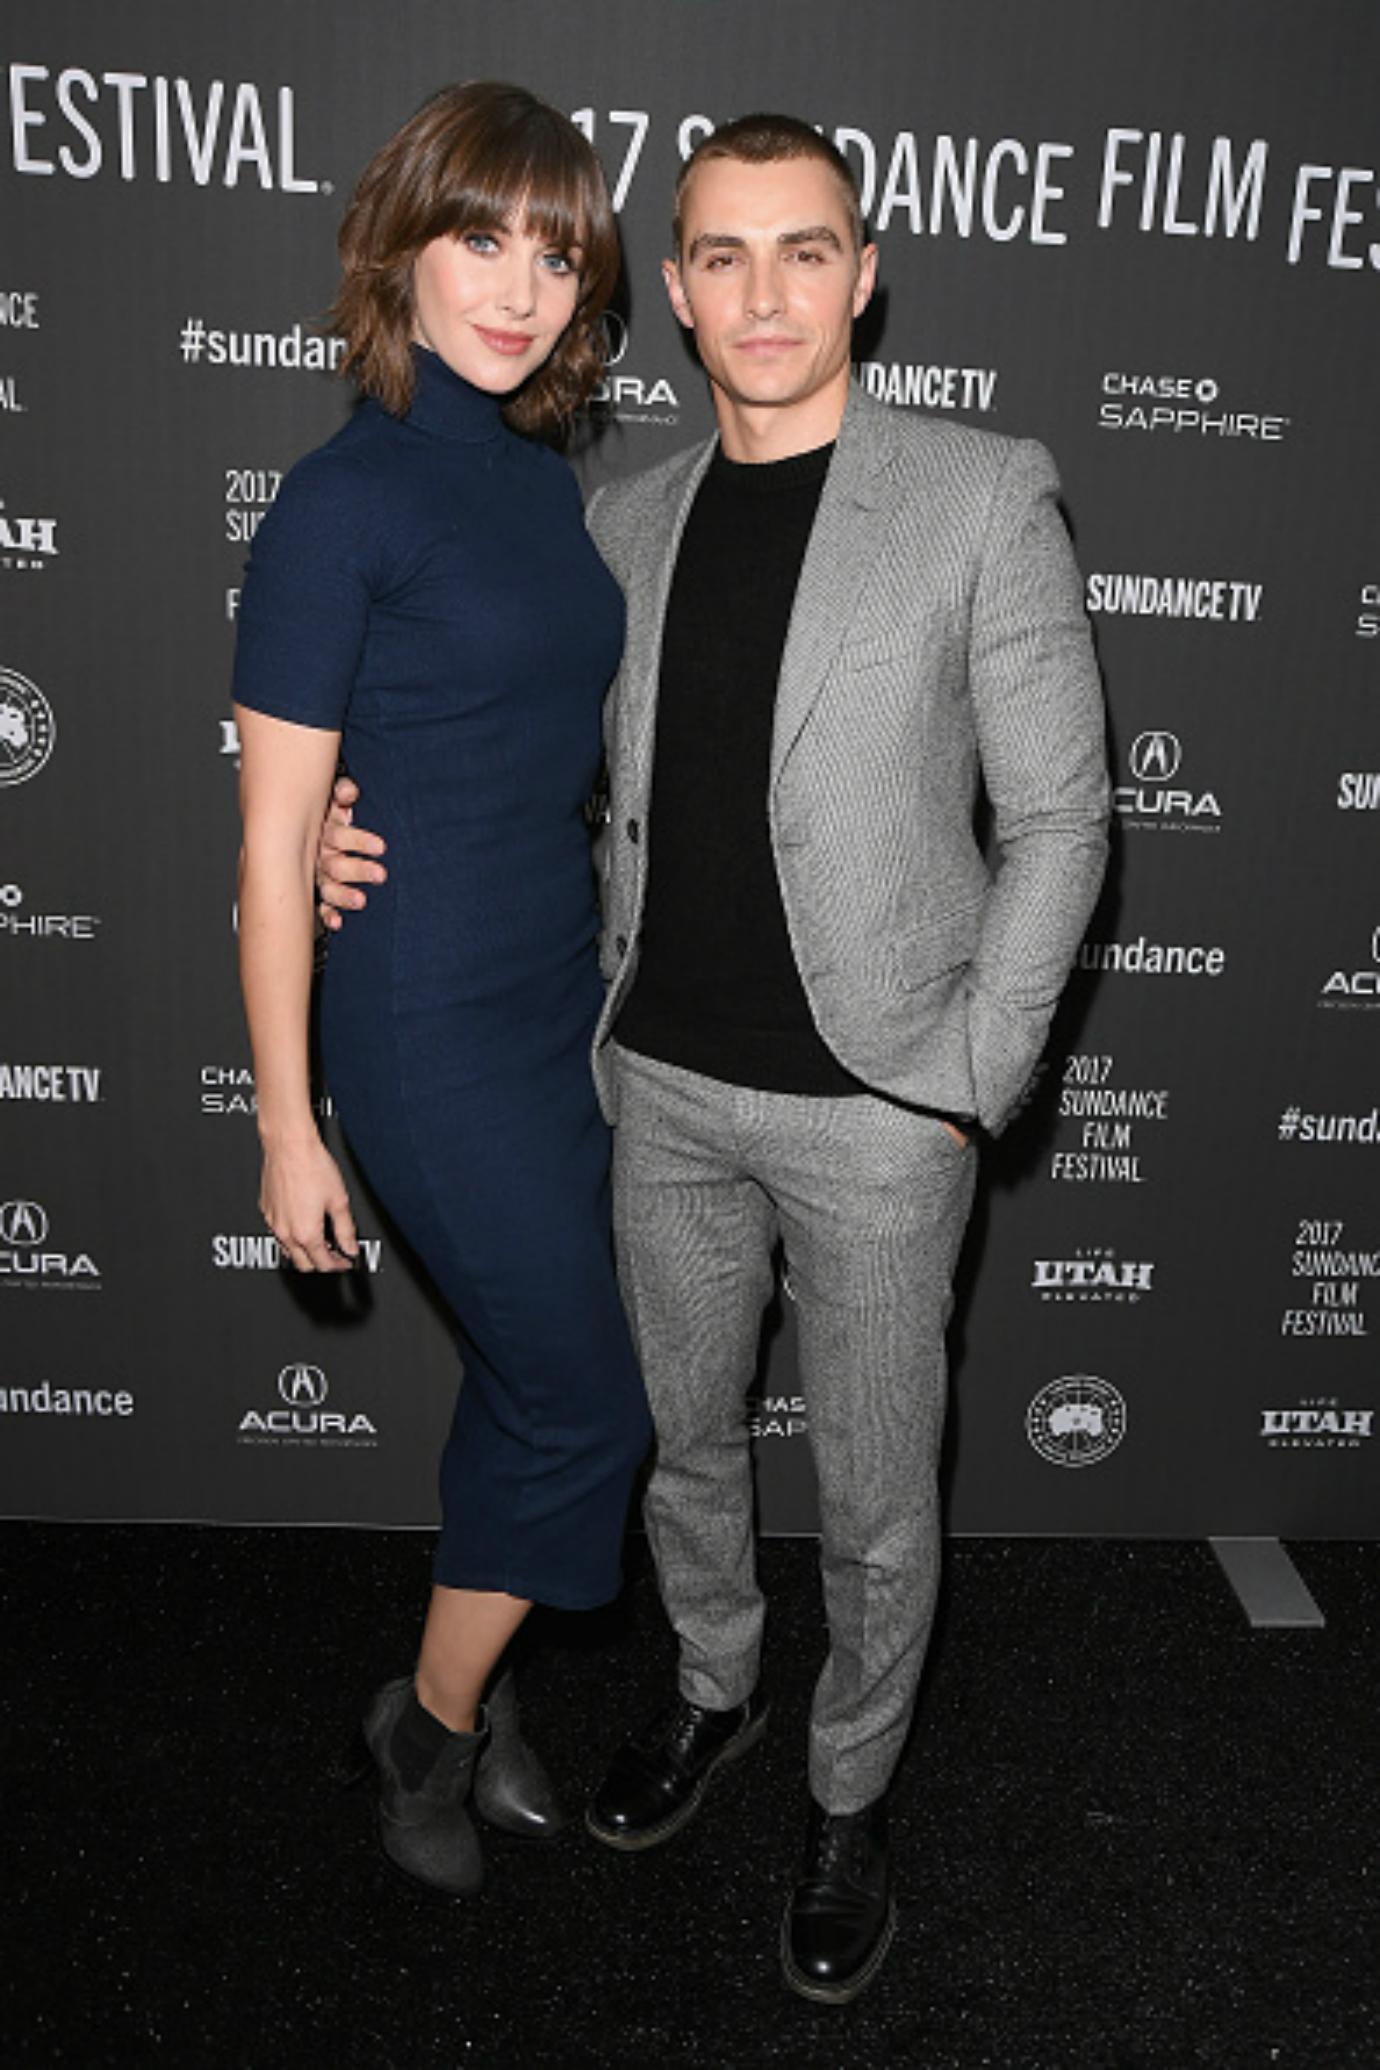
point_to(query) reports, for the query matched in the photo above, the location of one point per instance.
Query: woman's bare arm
(285, 780)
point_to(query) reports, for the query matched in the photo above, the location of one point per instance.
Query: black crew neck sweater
(717, 989)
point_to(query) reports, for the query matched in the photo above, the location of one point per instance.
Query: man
(839, 615)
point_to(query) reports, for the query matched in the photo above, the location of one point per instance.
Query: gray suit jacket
(938, 631)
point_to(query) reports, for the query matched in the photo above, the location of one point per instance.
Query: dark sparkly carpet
(1131, 1832)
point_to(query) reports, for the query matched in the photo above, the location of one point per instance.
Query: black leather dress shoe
(842, 1915)
(657, 1779)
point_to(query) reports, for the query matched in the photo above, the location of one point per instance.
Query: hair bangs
(528, 176)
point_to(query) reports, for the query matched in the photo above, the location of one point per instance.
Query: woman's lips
(510, 342)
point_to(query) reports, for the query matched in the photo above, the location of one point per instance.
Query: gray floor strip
(1268, 1585)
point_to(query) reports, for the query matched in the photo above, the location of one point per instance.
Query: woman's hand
(304, 1202)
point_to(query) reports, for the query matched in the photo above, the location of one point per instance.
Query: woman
(423, 592)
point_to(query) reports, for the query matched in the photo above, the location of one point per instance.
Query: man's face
(769, 279)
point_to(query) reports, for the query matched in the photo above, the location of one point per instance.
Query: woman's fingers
(343, 1229)
(305, 1204)
(315, 1253)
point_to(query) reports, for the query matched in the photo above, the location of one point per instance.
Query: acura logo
(302, 1386)
(615, 337)
(22, 1221)
(1155, 757)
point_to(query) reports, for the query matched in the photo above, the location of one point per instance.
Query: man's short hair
(766, 140)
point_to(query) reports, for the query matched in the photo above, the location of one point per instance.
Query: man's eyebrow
(727, 240)
(818, 233)
(715, 240)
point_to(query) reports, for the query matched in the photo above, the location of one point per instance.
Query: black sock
(418, 1738)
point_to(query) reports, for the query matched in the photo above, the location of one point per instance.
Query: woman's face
(493, 303)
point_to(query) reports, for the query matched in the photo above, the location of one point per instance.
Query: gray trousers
(870, 1201)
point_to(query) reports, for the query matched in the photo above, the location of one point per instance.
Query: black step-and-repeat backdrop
(1149, 235)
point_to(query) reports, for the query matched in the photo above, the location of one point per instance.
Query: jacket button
(634, 832)
(620, 942)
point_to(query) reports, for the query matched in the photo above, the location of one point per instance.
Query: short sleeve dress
(426, 585)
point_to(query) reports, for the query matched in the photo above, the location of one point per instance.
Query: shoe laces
(680, 1722)
(672, 1732)
(841, 1848)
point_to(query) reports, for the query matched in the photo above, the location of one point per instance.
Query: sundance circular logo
(1076, 1421)
(27, 728)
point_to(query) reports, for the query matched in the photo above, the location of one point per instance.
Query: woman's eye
(559, 262)
(480, 241)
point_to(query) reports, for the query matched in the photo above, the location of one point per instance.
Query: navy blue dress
(427, 586)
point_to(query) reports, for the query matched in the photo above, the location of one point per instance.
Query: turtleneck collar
(446, 405)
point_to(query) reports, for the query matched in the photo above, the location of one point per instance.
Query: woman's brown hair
(479, 157)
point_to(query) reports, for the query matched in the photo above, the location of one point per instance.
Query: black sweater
(717, 989)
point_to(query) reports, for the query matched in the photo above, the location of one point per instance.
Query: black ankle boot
(512, 1790)
(425, 1775)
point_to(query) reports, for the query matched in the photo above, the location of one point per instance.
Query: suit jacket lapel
(860, 493)
(654, 565)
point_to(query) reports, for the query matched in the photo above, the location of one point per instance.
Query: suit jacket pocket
(895, 649)
(907, 641)
(937, 947)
